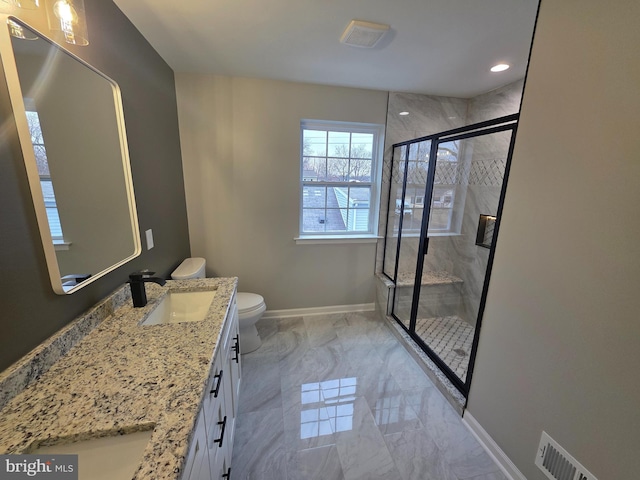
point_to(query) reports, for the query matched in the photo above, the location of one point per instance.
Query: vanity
(110, 376)
(143, 393)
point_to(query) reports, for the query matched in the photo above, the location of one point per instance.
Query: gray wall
(31, 312)
(241, 154)
(558, 348)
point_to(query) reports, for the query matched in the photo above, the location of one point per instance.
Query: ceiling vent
(363, 34)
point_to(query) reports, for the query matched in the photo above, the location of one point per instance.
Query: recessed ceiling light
(403, 113)
(501, 67)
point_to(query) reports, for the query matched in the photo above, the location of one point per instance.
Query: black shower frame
(509, 122)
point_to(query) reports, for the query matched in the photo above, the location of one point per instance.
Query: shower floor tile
(354, 405)
(450, 338)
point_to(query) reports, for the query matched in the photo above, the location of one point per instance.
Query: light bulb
(65, 12)
(68, 16)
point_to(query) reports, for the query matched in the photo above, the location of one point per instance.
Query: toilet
(251, 306)
(190, 268)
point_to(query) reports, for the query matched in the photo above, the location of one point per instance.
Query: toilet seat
(249, 303)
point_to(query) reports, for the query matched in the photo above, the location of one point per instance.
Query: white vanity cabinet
(236, 363)
(197, 464)
(232, 381)
(210, 450)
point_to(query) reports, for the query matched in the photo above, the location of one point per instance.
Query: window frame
(50, 203)
(453, 209)
(374, 185)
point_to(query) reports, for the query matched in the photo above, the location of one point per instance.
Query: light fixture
(27, 4)
(501, 67)
(363, 34)
(403, 113)
(68, 17)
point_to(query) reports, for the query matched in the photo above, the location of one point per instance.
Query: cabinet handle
(224, 424)
(228, 474)
(236, 348)
(216, 390)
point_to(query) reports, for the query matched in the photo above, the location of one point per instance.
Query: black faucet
(136, 282)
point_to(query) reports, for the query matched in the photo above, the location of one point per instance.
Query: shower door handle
(425, 248)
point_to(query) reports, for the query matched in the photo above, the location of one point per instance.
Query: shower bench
(440, 294)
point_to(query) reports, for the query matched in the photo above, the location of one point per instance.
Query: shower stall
(445, 201)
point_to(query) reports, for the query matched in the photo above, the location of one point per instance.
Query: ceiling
(436, 47)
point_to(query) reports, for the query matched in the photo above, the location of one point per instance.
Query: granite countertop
(123, 377)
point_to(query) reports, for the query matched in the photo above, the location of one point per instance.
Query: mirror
(71, 130)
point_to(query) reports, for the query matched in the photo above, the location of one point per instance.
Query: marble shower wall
(496, 103)
(428, 115)
(488, 163)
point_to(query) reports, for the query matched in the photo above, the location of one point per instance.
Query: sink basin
(179, 307)
(107, 458)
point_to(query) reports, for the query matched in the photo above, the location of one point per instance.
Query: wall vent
(557, 463)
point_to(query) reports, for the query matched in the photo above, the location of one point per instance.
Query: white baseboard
(492, 448)
(299, 312)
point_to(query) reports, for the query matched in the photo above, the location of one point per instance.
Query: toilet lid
(249, 301)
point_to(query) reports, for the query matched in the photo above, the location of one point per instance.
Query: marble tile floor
(337, 397)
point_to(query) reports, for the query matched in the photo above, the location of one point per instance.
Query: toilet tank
(189, 268)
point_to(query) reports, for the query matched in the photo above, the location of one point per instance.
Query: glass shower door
(445, 199)
(394, 216)
(464, 206)
(408, 205)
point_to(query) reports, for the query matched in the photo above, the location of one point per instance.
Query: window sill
(335, 239)
(61, 245)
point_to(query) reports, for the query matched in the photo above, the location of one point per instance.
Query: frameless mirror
(71, 131)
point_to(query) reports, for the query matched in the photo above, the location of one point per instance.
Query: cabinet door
(197, 465)
(214, 409)
(215, 390)
(218, 432)
(235, 363)
(232, 384)
(224, 470)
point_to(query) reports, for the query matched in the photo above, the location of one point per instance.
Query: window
(448, 197)
(444, 201)
(340, 178)
(45, 177)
